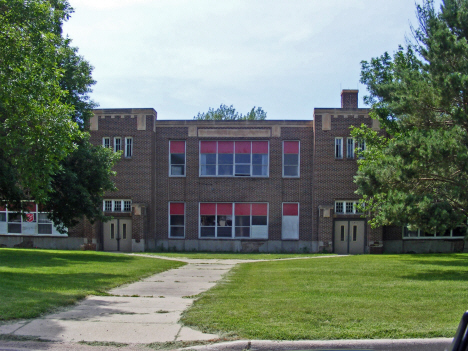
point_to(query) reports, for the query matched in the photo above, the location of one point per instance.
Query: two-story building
(268, 186)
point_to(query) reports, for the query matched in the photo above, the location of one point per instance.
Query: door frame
(349, 220)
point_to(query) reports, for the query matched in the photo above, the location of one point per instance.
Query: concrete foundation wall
(66, 243)
(423, 246)
(236, 246)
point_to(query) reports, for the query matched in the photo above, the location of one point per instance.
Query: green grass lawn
(367, 296)
(233, 255)
(33, 282)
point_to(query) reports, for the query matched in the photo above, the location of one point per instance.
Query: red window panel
(243, 147)
(291, 147)
(177, 208)
(290, 209)
(208, 209)
(242, 209)
(259, 210)
(208, 147)
(177, 147)
(224, 209)
(259, 147)
(2, 208)
(42, 208)
(225, 147)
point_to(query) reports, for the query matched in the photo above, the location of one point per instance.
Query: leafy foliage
(417, 173)
(225, 113)
(45, 154)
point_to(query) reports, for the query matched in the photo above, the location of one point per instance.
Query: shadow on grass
(24, 258)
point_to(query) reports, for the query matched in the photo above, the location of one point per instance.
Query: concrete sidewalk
(143, 312)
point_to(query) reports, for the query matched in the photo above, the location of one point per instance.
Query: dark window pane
(224, 221)
(44, 228)
(259, 220)
(14, 217)
(208, 159)
(224, 232)
(14, 227)
(225, 170)
(225, 159)
(242, 232)
(459, 231)
(177, 220)
(177, 232)
(177, 159)
(410, 233)
(242, 158)
(207, 232)
(207, 221)
(2, 217)
(243, 170)
(291, 159)
(291, 171)
(242, 221)
(259, 159)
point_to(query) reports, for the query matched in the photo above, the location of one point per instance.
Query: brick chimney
(349, 98)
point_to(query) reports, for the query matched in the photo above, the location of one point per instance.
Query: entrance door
(349, 237)
(118, 235)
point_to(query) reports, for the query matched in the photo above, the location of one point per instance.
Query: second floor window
(177, 158)
(117, 144)
(106, 142)
(338, 147)
(234, 158)
(350, 148)
(128, 147)
(291, 159)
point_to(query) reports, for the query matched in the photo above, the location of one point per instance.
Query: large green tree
(45, 154)
(417, 173)
(229, 113)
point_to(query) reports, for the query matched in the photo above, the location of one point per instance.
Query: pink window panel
(242, 210)
(259, 210)
(177, 147)
(31, 207)
(208, 147)
(290, 209)
(208, 209)
(177, 208)
(243, 147)
(225, 147)
(291, 147)
(259, 147)
(224, 209)
(2, 208)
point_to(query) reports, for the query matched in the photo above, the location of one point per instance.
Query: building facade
(249, 186)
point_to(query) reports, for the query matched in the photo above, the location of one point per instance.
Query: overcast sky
(182, 57)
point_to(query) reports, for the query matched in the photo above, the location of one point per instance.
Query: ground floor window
(290, 221)
(33, 222)
(233, 220)
(458, 232)
(176, 220)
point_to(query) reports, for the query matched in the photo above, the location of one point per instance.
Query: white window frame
(345, 211)
(430, 237)
(298, 161)
(106, 142)
(234, 161)
(285, 235)
(339, 151)
(350, 148)
(169, 226)
(128, 142)
(122, 205)
(233, 226)
(361, 146)
(177, 164)
(115, 144)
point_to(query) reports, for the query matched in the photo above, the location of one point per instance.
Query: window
(128, 147)
(350, 148)
(234, 220)
(234, 158)
(346, 207)
(290, 221)
(338, 147)
(117, 205)
(177, 158)
(361, 146)
(106, 142)
(33, 222)
(117, 144)
(290, 158)
(458, 232)
(124, 231)
(176, 220)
